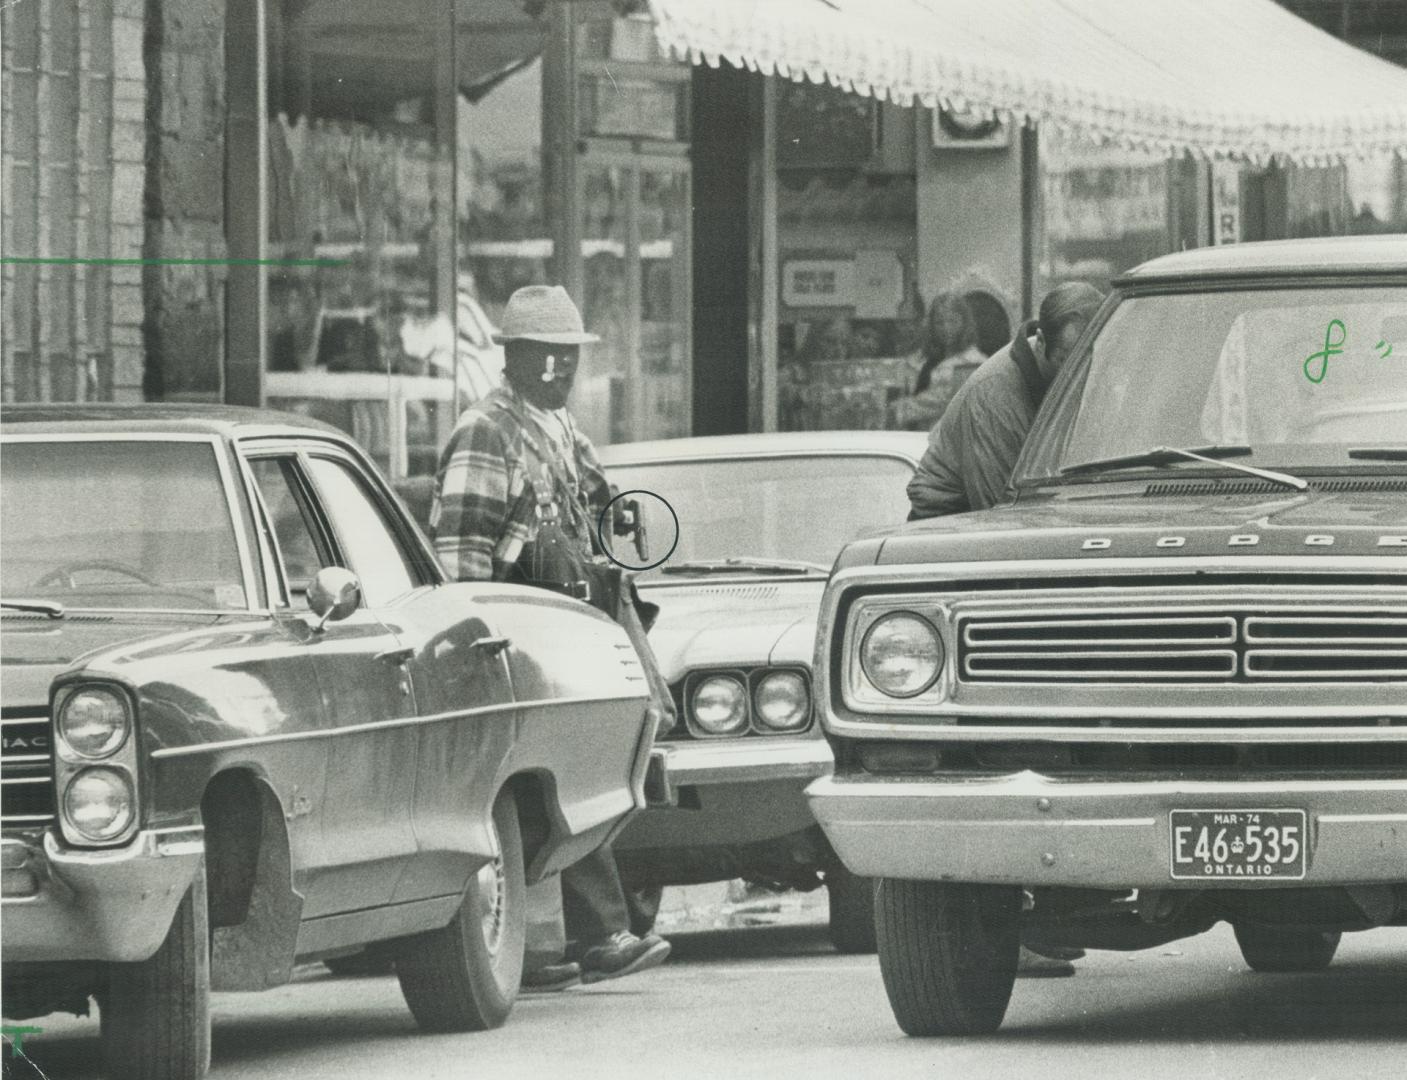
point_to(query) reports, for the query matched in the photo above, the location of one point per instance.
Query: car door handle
(492, 645)
(396, 656)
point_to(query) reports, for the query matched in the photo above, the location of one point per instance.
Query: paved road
(775, 1002)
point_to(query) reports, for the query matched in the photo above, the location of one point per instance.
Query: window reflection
(1105, 209)
(354, 155)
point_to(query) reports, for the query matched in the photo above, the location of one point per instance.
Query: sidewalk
(731, 904)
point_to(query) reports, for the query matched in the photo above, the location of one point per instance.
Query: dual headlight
(779, 701)
(901, 654)
(94, 770)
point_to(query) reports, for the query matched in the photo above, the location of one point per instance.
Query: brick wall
(184, 198)
(113, 149)
(71, 91)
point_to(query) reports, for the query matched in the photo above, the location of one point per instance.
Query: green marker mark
(1331, 348)
(25, 261)
(16, 1035)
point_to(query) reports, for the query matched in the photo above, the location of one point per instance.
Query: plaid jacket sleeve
(595, 486)
(480, 518)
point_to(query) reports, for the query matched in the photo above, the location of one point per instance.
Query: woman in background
(947, 356)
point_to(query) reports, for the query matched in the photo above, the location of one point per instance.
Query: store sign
(818, 283)
(1226, 203)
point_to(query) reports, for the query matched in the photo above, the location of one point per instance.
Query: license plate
(1211, 845)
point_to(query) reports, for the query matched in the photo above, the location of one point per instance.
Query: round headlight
(782, 701)
(720, 705)
(98, 803)
(94, 722)
(902, 654)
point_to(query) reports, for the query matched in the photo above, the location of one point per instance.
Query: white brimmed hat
(543, 313)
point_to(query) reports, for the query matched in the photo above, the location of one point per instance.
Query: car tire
(465, 976)
(947, 954)
(851, 899)
(359, 964)
(155, 1013)
(644, 907)
(1274, 948)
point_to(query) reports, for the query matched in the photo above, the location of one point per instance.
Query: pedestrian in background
(973, 447)
(518, 492)
(948, 354)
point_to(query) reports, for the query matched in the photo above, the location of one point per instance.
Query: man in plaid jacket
(486, 496)
(514, 458)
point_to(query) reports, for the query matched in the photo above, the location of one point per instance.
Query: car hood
(721, 624)
(1090, 525)
(35, 648)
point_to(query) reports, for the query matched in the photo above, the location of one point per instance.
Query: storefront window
(601, 401)
(408, 180)
(358, 194)
(1367, 195)
(503, 235)
(846, 224)
(633, 184)
(1105, 209)
(1377, 194)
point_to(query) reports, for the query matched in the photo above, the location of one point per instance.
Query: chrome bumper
(1028, 830)
(746, 760)
(62, 903)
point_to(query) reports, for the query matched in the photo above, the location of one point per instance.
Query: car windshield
(803, 509)
(1298, 375)
(117, 524)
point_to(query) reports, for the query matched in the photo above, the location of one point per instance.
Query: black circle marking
(605, 544)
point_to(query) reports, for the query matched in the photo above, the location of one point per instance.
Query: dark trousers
(593, 900)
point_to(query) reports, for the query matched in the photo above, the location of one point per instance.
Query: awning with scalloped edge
(1224, 79)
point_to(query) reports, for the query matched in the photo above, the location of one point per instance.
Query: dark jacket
(973, 447)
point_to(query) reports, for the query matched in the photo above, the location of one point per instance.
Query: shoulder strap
(526, 425)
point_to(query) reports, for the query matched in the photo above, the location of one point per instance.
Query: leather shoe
(622, 954)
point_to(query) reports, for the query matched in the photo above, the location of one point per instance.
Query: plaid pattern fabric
(486, 490)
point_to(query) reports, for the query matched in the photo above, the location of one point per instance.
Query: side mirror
(333, 594)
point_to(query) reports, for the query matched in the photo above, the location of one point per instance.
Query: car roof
(1327, 255)
(908, 444)
(171, 418)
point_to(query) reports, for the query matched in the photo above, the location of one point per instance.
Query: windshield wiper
(43, 607)
(1166, 455)
(1379, 453)
(756, 566)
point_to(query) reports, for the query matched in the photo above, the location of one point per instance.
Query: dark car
(1165, 685)
(248, 722)
(760, 519)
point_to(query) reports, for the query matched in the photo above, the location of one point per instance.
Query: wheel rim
(492, 890)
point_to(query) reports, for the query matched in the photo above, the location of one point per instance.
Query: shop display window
(633, 179)
(406, 174)
(1105, 209)
(849, 308)
(356, 166)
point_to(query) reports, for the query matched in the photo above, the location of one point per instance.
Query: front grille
(26, 768)
(1180, 648)
(1326, 647)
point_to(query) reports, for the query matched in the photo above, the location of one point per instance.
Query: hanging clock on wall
(970, 129)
